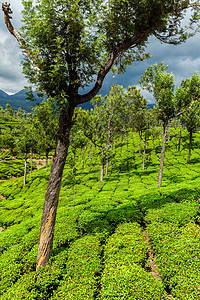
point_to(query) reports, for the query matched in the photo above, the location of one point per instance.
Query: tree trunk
(144, 154)
(53, 190)
(25, 167)
(162, 156)
(140, 146)
(190, 147)
(179, 142)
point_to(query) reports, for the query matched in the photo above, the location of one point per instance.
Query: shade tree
(69, 44)
(162, 85)
(188, 92)
(102, 124)
(191, 120)
(137, 106)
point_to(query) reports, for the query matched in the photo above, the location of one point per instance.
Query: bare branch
(123, 46)
(7, 16)
(182, 112)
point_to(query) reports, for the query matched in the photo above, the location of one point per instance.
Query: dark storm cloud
(183, 60)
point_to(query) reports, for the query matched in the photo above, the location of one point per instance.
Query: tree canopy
(70, 44)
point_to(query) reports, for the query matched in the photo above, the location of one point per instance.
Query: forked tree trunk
(25, 167)
(162, 156)
(190, 147)
(53, 190)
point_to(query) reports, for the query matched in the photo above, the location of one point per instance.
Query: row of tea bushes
(176, 240)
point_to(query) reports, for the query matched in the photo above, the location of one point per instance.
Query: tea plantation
(107, 233)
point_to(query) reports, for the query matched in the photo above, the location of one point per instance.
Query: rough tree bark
(53, 190)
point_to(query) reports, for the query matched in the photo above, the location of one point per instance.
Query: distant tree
(77, 137)
(191, 120)
(9, 109)
(46, 125)
(162, 84)
(105, 121)
(69, 44)
(26, 141)
(188, 92)
(137, 107)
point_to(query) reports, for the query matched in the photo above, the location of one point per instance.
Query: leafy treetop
(71, 43)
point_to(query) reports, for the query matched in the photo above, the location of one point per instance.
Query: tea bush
(99, 251)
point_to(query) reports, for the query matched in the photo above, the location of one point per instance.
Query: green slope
(99, 247)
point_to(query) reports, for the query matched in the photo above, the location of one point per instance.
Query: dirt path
(152, 267)
(39, 162)
(2, 197)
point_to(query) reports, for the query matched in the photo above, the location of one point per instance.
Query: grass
(99, 250)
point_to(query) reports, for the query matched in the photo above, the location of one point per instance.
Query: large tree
(69, 44)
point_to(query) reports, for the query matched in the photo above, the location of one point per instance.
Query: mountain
(17, 100)
(3, 95)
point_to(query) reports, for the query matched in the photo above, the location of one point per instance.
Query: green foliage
(12, 168)
(123, 276)
(99, 251)
(162, 85)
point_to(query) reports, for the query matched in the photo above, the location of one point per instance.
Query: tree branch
(89, 136)
(123, 46)
(182, 112)
(7, 12)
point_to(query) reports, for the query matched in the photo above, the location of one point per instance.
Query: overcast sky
(183, 60)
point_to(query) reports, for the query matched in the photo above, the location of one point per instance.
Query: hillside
(122, 238)
(19, 100)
